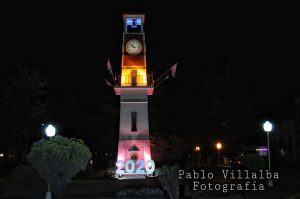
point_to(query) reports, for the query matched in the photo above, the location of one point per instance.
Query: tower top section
(134, 68)
(133, 23)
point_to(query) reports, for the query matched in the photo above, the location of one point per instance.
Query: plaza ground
(286, 187)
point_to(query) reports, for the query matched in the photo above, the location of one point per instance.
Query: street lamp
(50, 130)
(268, 128)
(197, 156)
(219, 147)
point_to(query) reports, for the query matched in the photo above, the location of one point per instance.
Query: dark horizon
(73, 45)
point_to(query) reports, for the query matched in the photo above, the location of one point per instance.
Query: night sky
(71, 44)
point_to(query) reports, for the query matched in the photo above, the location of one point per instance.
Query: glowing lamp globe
(219, 145)
(267, 126)
(50, 130)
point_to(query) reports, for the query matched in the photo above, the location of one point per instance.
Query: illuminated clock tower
(134, 86)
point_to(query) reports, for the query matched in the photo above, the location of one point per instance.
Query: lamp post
(50, 132)
(268, 128)
(219, 147)
(197, 156)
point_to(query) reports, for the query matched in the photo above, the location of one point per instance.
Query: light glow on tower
(134, 77)
(147, 157)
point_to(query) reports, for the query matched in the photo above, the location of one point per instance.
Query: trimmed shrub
(58, 160)
(168, 178)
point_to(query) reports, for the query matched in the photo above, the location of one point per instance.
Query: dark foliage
(27, 177)
(58, 160)
(24, 106)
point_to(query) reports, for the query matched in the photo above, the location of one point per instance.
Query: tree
(24, 105)
(168, 149)
(58, 160)
(185, 102)
(231, 107)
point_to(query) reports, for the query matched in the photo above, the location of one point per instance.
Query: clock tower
(133, 86)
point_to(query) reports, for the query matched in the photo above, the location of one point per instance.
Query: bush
(111, 171)
(253, 162)
(27, 177)
(168, 178)
(146, 192)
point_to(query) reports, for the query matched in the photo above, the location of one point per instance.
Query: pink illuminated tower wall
(134, 86)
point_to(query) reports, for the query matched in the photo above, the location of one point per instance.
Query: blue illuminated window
(134, 24)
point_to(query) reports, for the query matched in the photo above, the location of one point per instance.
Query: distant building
(297, 115)
(285, 141)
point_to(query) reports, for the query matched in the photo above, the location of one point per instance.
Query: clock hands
(133, 47)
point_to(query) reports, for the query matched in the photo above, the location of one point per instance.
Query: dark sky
(71, 44)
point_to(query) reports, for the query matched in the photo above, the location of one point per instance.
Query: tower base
(131, 176)
(142, 151)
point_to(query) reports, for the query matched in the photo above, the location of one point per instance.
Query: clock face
(133, 47)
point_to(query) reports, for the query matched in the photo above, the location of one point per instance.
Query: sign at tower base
(135, 169)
